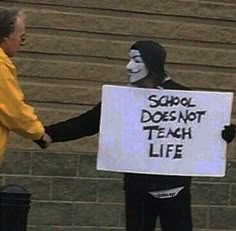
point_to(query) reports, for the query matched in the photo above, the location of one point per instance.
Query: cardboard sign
(165, 132)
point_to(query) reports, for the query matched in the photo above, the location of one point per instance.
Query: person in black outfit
(146, 196)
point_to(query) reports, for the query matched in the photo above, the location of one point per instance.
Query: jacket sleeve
(86, 124)
(15, 114)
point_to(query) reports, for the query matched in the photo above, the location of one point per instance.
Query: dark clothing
(88, 124)
(150, 182)
(157, 182)
(142, 210)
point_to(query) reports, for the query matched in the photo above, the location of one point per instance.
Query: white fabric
(166, 193)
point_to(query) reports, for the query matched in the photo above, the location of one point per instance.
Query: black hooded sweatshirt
(88, 123)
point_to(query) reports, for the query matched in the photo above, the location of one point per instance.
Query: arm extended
(86, 124)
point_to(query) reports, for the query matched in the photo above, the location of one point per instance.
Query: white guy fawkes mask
(136, 67)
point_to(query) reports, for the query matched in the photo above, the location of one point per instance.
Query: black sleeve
(86, 124)
(172, 85)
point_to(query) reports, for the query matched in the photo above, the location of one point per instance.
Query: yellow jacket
(15, 115)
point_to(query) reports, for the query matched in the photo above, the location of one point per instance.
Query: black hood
(154, 56)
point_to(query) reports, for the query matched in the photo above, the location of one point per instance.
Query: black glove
(43, 142)
(228, 133)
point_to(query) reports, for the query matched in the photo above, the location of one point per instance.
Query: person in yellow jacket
(15, 114)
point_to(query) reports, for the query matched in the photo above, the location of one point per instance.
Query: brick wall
(74, 47)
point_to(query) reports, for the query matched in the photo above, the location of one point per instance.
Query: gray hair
(8, 17)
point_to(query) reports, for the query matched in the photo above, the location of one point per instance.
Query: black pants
(142, 210)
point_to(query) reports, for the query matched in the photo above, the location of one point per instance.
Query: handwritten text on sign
(155, 132)
(163, 131)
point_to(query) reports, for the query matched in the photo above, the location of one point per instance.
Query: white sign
(165, 132)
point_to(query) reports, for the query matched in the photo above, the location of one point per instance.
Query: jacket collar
(5, 58)
(163, 83)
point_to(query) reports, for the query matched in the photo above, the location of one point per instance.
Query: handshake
(44, 142)
(228, 133)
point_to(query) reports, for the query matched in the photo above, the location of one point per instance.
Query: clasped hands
(44, 141)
